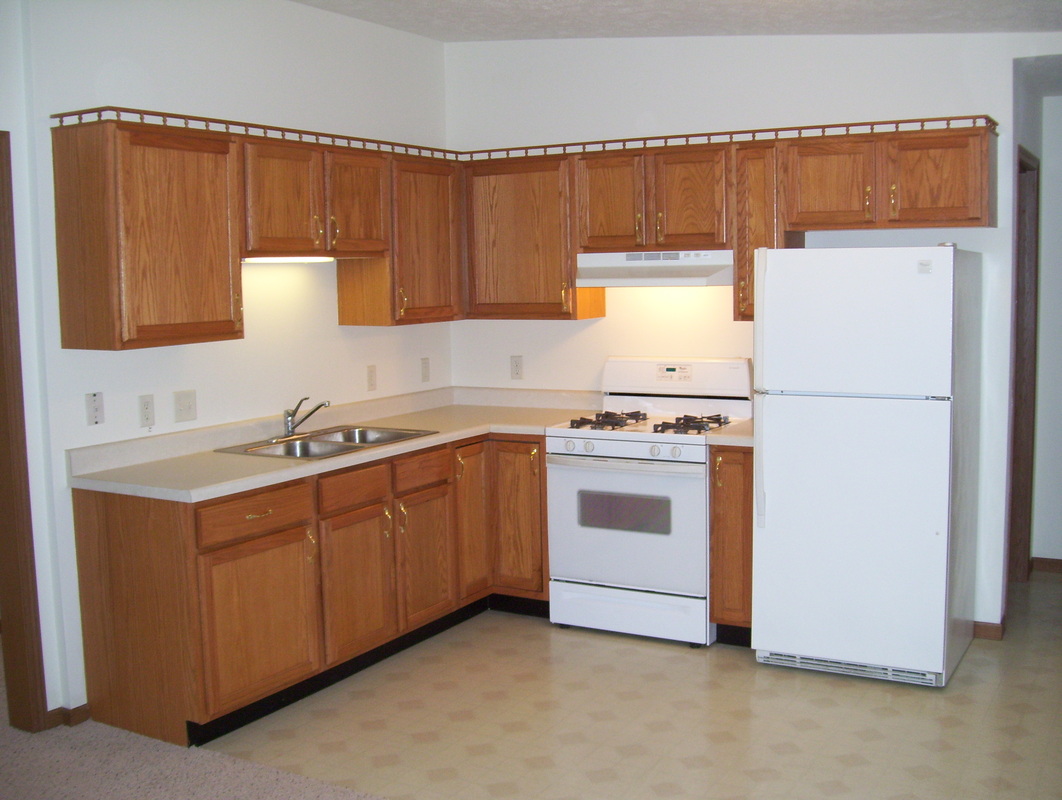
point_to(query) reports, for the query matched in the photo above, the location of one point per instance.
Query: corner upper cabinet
(925, 178)
(419, 281)
(520, 257)
(308, 200)
(651, 200)
(147, 235)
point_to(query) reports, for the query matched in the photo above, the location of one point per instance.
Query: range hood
(664, 268)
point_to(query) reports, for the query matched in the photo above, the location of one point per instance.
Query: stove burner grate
(609, 420)
(691, 424)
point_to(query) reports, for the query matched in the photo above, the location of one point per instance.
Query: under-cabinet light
(287, 259)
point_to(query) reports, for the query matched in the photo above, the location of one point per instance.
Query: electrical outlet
(425, 370)
(146, 409)
(184, 406)
(516, 368)
(94, 408)
(370, 377)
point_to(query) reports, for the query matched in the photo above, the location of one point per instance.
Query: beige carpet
(92, 761)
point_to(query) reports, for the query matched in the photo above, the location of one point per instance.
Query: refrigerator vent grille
(850, 668)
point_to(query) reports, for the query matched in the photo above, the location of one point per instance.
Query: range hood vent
(666, 268)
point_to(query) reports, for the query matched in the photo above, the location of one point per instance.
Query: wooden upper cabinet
(652, 199)
(520, 258)
(426, 247)
(147, 235)
(304, 199)
(829, 182)
(936, 178)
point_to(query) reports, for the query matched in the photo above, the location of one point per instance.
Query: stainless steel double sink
(325, 443)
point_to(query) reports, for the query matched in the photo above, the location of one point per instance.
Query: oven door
(628, 523)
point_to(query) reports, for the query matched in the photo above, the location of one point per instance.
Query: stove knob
(676, 451)
(588, 447)
(569, 445)
(654, 450)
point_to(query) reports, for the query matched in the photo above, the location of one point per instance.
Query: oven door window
(625, 512)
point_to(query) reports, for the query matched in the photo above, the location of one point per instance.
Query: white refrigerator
(866, 409)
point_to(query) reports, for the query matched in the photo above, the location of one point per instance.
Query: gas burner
(690, 424)
(609, 420)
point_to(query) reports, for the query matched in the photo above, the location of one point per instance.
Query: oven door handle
(638, 466)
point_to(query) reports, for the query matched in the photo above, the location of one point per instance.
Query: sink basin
(325, 443)
(366, 436)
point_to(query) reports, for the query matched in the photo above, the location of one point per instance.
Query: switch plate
(146, 409)
(184, 406)
(516, 368)
(94, 408)
(370, 378)
(425, 370)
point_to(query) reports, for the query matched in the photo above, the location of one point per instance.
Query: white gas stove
(628, 497)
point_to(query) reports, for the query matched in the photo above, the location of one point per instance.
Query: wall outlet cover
(184, 409)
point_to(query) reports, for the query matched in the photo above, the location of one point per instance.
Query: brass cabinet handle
(892, 200)
(320, 230)
(313, 541)
(259, 516)
(405, 518)
(460, 467)
(743, 295)
(534, 461)
(565, 307)
(237, 305)
(335, 233)
(390, 523)
(659, 227)
(639, 236)
(405, 301)
(867, 212)
(718, 475)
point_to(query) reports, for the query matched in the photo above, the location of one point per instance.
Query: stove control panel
(694, 451)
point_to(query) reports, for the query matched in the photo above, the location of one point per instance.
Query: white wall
(510, 93)
(1047, 499)
(263, 61)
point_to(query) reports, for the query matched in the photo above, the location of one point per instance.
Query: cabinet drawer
(422, 469)
(353, 488)
(255, 514)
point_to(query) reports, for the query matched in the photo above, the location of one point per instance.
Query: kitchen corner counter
(207, 475)
(736, 434)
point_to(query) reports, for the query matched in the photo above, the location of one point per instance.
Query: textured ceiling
(496, 20)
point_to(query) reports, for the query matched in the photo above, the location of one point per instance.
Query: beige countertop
(206, 475)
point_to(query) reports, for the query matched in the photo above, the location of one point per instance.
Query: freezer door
(874, 321)
(850, 548)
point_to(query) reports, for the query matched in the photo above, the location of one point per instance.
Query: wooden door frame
(1023, 367)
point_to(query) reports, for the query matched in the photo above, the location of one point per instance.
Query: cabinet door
(829, 182)
(937, 178)
(179, 254)
(730, 553)
(285, 198)
(261, 614)
(425, 255)
(689, 199)
(426, 558)
(358, 202)
(474, 553)
(610, 201)
(755, 216)
(518, 503)
(519, 243)
(358, 582)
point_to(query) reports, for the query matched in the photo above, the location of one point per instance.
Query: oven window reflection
(625, 512)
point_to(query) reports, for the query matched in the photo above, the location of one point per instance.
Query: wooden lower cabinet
(475, 556)
(261, 612)
(730, 543)
(518, 493)
(427, 561)
(358, 581)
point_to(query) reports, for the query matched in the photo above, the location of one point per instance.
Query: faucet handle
(298, 405)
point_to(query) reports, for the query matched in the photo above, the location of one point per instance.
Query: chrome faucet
(289, 416)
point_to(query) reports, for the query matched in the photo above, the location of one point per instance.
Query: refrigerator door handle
(757, 459)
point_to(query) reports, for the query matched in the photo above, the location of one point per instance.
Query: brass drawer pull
(259, 516)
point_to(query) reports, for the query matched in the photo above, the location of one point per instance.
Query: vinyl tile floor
(505, 707)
